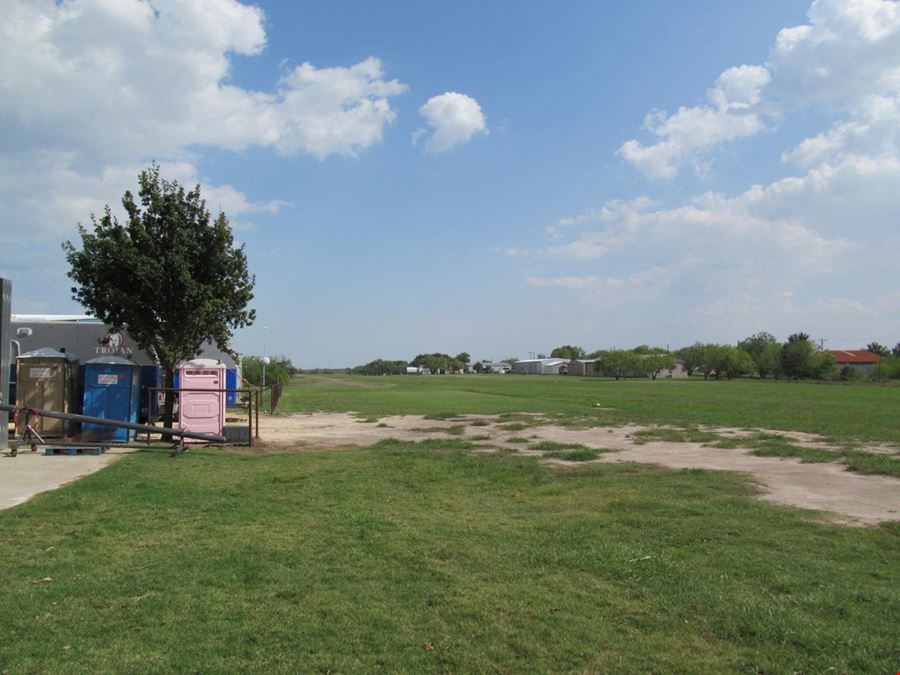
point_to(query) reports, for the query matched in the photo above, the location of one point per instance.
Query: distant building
(541, 366)
(582, 367)
(859, 359)
(417, 370)
(501, 367)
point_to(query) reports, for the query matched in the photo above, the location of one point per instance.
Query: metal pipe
(146, 428)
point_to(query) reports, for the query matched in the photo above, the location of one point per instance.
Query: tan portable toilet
(47, 379)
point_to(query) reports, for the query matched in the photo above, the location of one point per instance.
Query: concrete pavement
(31, 473)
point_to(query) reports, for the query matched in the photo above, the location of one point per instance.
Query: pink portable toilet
(201, 411)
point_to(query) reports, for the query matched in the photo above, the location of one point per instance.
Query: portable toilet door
(150, 379)
(201, 411)
(231, 382)
(47, 379)
(112, 392)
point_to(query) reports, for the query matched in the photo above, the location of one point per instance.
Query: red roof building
(859, 359)
(851, 356)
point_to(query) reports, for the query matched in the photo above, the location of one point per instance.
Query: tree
(797, 356)
(765, 351)
(279, 369)
(170, 274)
(730, 361)
(896, 350)
(656, 362)
(707, 359)
(692, 357)
(463, 358)
(381, 367)
(877, 348)
(438, 363)
(801, 359)
(568, 352)
(618, 364)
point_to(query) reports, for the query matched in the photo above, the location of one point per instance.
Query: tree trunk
(169, 404)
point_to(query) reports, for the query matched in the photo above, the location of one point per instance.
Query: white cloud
(686, 137)
(740, 86)
(125, 79)
(805, 252)
(68, 196)
(849, 50)
(92, 90)
(453, 118)
(334, 110)
(590, 282)
(874, 130)
(846, 56)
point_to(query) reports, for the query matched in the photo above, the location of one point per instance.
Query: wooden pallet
(73, 450)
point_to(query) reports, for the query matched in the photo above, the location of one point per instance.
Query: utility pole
(822, 342)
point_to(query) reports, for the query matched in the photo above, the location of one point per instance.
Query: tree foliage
(801, 360)
(730, 362)
(765, 351)
(878, 348)
(170, 273)
(617, 364)
(656, 362)
(381, 367)
(692, 357)
(280, 369)
(641, 361)
(438, 363)
(568, 352)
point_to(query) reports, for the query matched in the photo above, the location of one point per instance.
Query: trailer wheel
(13, 451)
(33, 447)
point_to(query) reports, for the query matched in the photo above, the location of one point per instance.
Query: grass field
(840, 412)
(402, 558)
(426, 557)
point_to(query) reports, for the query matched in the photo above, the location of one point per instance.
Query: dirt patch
(850, 498)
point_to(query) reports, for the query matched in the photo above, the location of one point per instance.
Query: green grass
(571, 452)
(424, 558)
(864, 412)
(454, 430)
(777, 445)
(669, 435)
(874, 463)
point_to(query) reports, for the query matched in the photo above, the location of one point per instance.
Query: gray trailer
(86, 338)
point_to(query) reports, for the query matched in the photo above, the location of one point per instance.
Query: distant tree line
(760, 355)
(435, 363)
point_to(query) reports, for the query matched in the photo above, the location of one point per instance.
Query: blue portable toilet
(111, 391)
(231, 382)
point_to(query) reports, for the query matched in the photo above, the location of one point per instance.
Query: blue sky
(498, 178)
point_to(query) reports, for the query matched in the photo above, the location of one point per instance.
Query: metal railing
(253, 404)
(145, 428)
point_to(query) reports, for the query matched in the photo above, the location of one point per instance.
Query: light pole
(264, 359)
